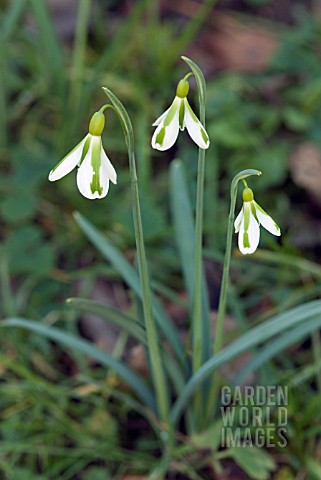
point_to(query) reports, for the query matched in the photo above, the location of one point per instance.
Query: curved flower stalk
(95, 169)
(248, 221)
(178, 116)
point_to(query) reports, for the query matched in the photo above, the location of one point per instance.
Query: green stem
(8, 303)
(316, 348)
(77, 69)
(152, 336)
(151, 330)
(3, 97)
(199, 326)
(197, 311)
(218, 341)
(227, 259)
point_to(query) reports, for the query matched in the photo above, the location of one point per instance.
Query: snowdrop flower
(178, 116)
(95, 169)
(248, 221)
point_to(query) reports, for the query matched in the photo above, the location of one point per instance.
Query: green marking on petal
(204, 135)
(246, 241)
(253, 209)
(267, 215)
(95, 185)
(85, 150)
(246, 217)
(194, 117)
(70, 153)
(261, 209)
(160, 136)
(196, 120)
(171, 114)
(247, 214)
(181, 115)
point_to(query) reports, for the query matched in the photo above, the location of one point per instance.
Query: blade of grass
(11, 18)
(113, 53)
(291, 261)
(77, 68)
(189, 32)
(50, 43)
(70, 341)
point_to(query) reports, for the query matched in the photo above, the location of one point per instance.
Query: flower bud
(247, 195)
(182, 89)
(97, 123)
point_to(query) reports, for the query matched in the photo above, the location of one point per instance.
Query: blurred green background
(261, 59)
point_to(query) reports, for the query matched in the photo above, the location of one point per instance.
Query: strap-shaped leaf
(276, 346)
(255, 336)
(116, 317)
(185, 241)
(130, 276)
(73, 342)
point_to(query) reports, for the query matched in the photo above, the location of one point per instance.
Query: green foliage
(63, 416)
(254, 461)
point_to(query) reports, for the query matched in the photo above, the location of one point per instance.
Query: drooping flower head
(248, 221)
(178, 116)
(95, 169)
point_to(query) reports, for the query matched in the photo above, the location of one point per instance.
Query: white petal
(163, 115)
(195, 128)
(92, 175)
(111, 172)
(166, 133)
(69, 162)
(266, 221)
(249, 234)
(238, 221)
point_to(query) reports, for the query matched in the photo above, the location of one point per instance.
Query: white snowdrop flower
(178, 116)
(248, 221)
(95, 169)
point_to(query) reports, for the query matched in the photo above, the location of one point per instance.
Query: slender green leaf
(132, 327)
(71, 341)
(49, 40)
(189, 32)
(130, 276)
(276, 346)
(12, 16)
(185, 235)
(114, 50)
(255, 336)
(125, 322)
